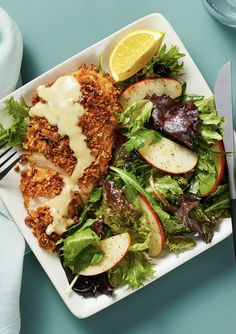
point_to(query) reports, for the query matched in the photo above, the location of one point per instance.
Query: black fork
(4, 166)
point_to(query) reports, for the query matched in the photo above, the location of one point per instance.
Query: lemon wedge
(133, 52)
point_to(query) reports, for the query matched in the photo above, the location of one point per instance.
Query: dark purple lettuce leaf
(90, 286)
(114, 198)
(177, 118)
(189, 175)
(87, 286)
(208, 222)
(186, 204)
(192, 215)
(98, 226)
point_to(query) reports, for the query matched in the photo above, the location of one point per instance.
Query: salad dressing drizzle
(59, 207)
(63, 110)
(60, 106)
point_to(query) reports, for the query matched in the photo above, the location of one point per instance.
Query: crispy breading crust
(43, 137)
(100, 100)
(39, 182)
(39, 220)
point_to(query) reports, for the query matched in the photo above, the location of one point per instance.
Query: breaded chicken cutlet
(69, 144)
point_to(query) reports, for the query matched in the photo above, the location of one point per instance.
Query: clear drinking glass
(222, 10)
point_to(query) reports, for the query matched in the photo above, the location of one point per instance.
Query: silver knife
(224, 106)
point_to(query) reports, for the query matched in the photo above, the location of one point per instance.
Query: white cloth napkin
(11, 49)
(12, 244)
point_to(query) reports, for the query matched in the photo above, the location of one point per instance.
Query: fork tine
(7, 159)
(2, 145)
(7, 170)
(5, 152)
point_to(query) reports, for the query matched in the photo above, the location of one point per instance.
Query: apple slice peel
(220, 165)
(114, 249)
(157, 233)
(148, 87)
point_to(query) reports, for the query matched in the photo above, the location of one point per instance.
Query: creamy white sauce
(59, 207)
(62, 109)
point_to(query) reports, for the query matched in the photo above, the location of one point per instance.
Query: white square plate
(11, 195)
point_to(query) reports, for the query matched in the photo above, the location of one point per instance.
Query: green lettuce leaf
(139, 138)
(177, 243)
(88, 257)
(17, 109)
(205, 173)
(100, 67)
(208, 222)
(90, 211)
(172, 225)
(166, 63)
(191, 97)
(18, 113)
(143, 238)
(219, 191)
(136, 115)
(211, 124)
(221, 204)
(133, 270)
(219, 200)
(132, 163)
(169, 59)
(169, 186)
(80, 250)
(122, 216)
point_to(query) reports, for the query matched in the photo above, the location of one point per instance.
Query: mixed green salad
(162, 205)
(166, 186)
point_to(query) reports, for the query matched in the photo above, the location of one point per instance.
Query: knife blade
(224, 106)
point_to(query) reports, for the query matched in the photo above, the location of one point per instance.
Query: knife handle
(233, 218)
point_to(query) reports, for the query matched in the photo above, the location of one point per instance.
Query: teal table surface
(198, 297)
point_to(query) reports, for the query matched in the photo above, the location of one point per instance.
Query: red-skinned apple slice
(220, 165)
(114, 249)
(158, 86)
(157, 233)
(169, 156)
